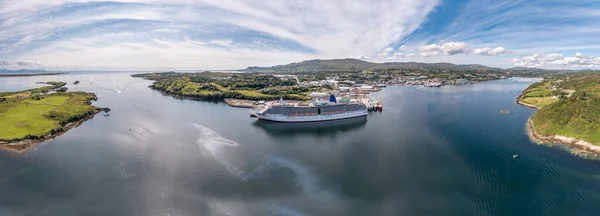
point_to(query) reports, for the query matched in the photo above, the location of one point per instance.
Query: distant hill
(357, 65)
(27, 72)
(7, 71)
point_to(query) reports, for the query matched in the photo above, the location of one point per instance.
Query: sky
(234, 34)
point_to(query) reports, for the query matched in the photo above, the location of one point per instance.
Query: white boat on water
(316, 111)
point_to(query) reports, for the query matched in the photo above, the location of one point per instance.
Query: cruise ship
(316, 111)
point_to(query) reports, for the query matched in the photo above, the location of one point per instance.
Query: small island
(568, 111)
(36, 115)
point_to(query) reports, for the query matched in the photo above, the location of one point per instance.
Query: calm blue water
(443, 151)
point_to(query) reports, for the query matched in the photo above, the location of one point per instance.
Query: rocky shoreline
(525, 104)
(22, 145)
(239, 103)
(579, 147)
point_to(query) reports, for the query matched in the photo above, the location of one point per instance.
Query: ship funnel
(332, 99)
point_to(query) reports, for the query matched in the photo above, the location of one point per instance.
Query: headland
(566, 111)
(35, 115)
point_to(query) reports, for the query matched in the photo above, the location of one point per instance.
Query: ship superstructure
(316, 111)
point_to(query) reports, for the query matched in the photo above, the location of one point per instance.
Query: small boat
(379, 106)
(515, 156)
(371, 106)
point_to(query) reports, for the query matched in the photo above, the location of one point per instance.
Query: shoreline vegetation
(36, 115)
(566, 113)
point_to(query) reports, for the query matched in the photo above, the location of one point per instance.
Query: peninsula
(219, 86)
(35, 115)
(567, 110)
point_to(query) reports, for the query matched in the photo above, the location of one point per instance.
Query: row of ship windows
(314, 113)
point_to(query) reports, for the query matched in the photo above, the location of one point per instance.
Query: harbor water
(432, 151)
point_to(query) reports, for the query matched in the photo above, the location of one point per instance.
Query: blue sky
(232, 34)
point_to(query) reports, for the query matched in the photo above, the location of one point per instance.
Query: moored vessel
(316, 111)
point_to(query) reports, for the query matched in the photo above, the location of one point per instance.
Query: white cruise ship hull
(315, 118)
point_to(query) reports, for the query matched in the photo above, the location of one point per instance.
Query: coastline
(579, 147)
(23, 145)
(520, 97)
(241, 103)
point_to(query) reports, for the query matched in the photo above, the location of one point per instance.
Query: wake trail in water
(114, 84)
(101, 87)
(216, 146)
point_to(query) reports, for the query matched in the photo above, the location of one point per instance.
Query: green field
(251, 93)
(540, 101)
(23, 118)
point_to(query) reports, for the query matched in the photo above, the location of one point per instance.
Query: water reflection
(329, 127)
(445, 147)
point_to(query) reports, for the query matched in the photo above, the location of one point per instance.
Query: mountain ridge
(357, 64)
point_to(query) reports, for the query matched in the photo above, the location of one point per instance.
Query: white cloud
(386, 52)
(158, 55)
(361, 57)
(429, 53)
(167, 30)
(429, 48)
(319, 29)
(448, 48)
(404, 55)
(554, 57)
(453, 48)
(21, 64)
(383, 54)
(490, 51)
(557, 60)
(222, 42)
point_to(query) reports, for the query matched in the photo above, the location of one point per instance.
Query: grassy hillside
(573, 112)
(539, 94)
(32, 115)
